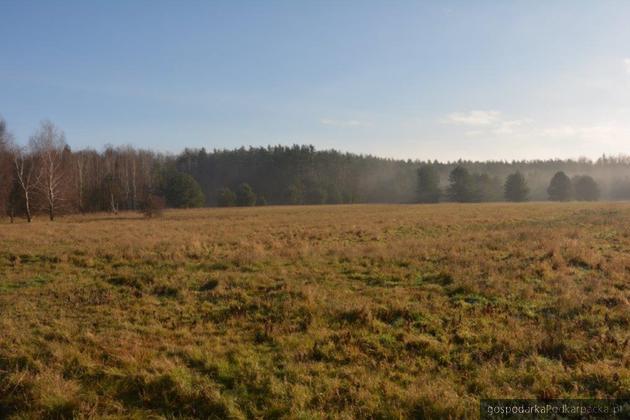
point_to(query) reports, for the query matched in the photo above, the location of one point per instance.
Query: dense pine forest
(46, 176)
(303, 175)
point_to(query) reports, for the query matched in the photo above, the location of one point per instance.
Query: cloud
(626, 62)
(595, 135)
(475, 118)
(343, 123)
(484, 122)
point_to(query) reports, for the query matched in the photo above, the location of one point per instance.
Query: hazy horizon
(405, 80)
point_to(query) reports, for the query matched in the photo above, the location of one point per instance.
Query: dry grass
(314, 312)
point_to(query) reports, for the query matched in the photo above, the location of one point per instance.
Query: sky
(403, 79)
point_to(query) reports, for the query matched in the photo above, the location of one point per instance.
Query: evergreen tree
(585, 188)
(428, 185)
(516, 188)
(245, 196)
(181, 190)
(560, 187)
(461, 186)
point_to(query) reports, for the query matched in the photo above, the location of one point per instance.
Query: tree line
(303, 175)
(45, 176)
(465, 187)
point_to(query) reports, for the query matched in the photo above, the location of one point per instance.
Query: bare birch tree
(48, 146)
(26, 179)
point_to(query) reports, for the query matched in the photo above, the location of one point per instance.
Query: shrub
(245, 196)
(226, 198)
(153, 205)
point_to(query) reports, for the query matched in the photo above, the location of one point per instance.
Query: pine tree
(181, 190)
(461, 186)
(516, 188)
(585, 188)
(560, 187)
(428, 185)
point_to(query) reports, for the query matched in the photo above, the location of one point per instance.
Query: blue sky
(404, 79)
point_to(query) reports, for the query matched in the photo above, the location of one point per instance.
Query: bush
(245, 196)
(153, 205)
(226, 198)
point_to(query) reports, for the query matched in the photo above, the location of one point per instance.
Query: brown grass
(314, 312)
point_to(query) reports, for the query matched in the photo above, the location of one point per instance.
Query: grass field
(379, 311)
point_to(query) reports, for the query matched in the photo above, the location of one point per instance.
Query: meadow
(314, 312)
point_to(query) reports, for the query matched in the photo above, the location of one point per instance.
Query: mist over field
(124, 178)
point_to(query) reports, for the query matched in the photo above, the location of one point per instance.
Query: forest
(47, 177)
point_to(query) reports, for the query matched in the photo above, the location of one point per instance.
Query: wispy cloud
(484, 122)
(343, 123)
(626, 62)
(474, 118)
